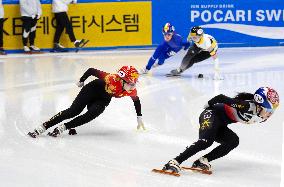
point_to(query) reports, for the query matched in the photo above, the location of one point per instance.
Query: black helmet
(196, 31)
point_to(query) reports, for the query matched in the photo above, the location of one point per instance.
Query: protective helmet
(267, 97)
(129, 74)
(196, 31)
(168, 29)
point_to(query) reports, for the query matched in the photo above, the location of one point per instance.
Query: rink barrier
(135, 48)
(112, 24)
(233, 23)
(92, 48)
(78, 1)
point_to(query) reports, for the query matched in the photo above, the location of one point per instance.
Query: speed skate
(166, 172)
(196, 170)
(208, 172)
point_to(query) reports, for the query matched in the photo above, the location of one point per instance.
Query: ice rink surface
(109, 151)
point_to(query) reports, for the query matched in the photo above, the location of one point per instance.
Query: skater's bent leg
(75, 109)
(200, 145)
(93, 111)
(187, 59)
(161, 61)
(209, 125)
(63, 115)
(228, 141)
(162, 58)
(158, 52)
(203, 55)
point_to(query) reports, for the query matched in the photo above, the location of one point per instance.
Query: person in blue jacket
(172, 44)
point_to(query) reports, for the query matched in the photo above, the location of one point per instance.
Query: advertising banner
(254, 23)
(104, 24)
(78, 1)
(232, 23)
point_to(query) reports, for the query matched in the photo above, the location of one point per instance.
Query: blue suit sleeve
(186, 45)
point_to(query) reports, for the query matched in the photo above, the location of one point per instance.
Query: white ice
(109, 151)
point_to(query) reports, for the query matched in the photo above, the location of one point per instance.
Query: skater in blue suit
(171, 45)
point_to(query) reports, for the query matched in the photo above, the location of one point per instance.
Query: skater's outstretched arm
(93, 72)
(137, 105)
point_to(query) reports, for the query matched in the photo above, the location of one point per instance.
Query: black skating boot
(39, 130)
(202, 163)
(173, 166)
(57, 131)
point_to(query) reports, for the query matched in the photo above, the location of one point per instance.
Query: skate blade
(166, 172)
(198, 170)
(85, 42)
(30, 134)
(83, 45)
(50, 134)
(171, 75)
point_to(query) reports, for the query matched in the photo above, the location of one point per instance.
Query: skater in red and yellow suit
(96, 96)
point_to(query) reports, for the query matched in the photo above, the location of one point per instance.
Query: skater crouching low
(221, 110)
(96, 96)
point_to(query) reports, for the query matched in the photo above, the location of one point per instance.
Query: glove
(140, 123)
(38, 16)
(72, 132)
(80, 84)
(33, 16)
